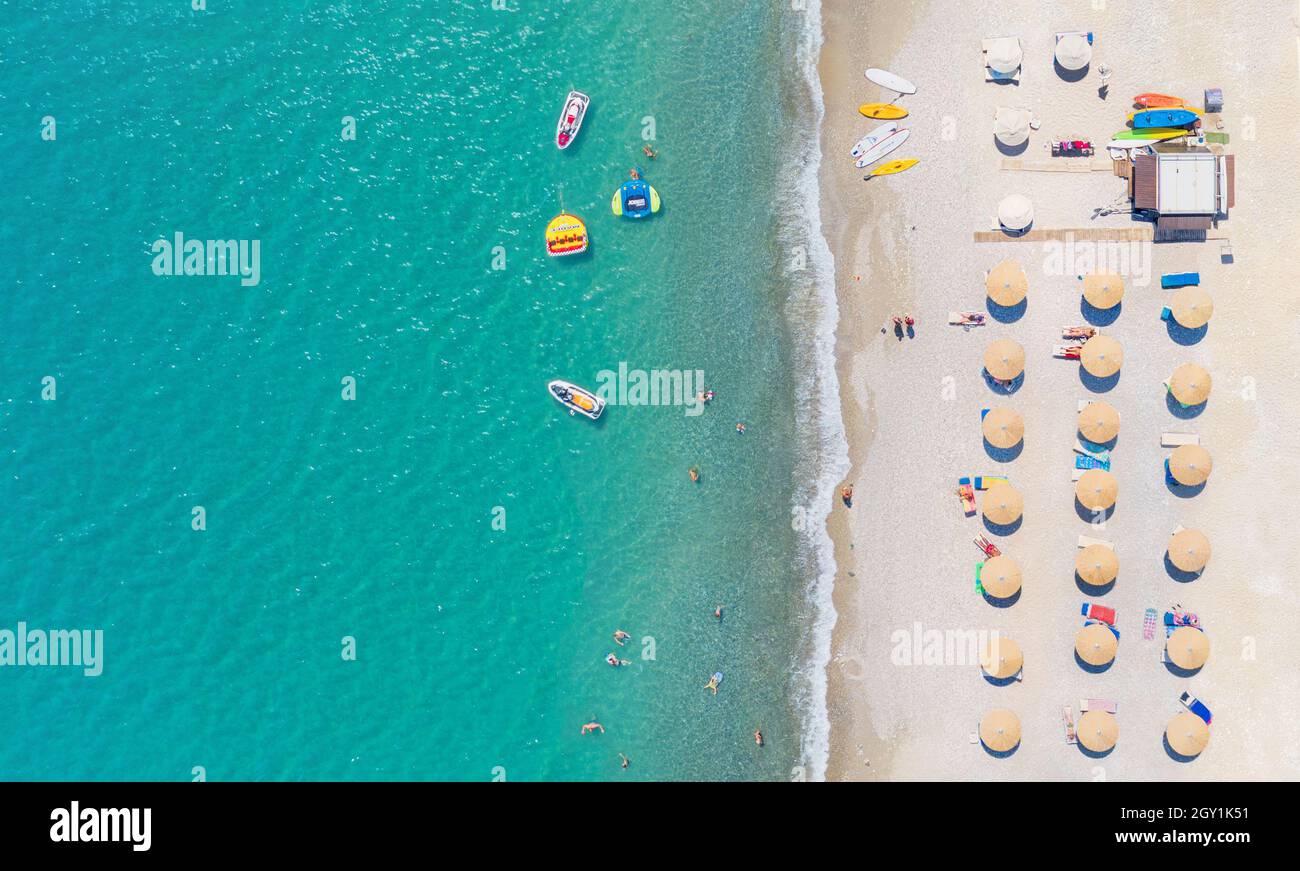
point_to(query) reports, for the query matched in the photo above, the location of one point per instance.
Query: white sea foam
(812, 313)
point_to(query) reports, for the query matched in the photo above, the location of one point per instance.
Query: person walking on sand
(847, 495)
(588, 728)
(621, 637)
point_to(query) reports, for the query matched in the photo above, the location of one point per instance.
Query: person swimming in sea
(588, 728)
(649, 152)
(758, 737)
(712, 684)
(613, 660)
(624, 762)
(621, 637)
(695, 474)
(717, 612)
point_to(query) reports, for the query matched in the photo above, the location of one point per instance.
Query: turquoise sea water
(479, 651)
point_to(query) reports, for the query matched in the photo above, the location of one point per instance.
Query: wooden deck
(1059, 164)
(1091, 234)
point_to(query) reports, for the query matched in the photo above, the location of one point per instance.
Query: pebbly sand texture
(912, 407)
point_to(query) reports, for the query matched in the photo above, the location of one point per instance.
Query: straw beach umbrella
(1097, 565)
(1187, 734)
(1003, 505)
(1004, 359)
(1006, 283)
(1098, 731)
(1099, 422)
(1190, 465)
(1189, 648)
(1004, 55)
(1096, 644)
(1001, 658)
(1003, 427)
(1190, 384)
(1189, 550)
(1101, 356)
(1192, 307)
(1011, 126)
(1000, 730)
(1016, 212)
(1103, 289)
(1097, 490)
(1000, 577)
(1073, 52)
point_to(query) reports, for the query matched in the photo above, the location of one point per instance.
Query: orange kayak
(1158, 101)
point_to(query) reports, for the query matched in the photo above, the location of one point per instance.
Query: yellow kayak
(883, 111)
(896, 166)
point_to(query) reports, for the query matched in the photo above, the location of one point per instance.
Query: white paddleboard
(873, 137)
(891, 82)
(883, 147)
(1130, 143)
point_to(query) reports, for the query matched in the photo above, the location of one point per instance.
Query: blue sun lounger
(1180, 279)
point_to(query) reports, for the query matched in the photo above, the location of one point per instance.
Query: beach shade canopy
(1188, 648)
(1099, 422)
(1000, 577)
(1096, 644)
(1003, 505)
(1188, 734)
(1006, 283)
(1073, 51)
(1190, 465)
(1001, 658)
(1189, 550)
(1004, 55)
(1016, 212)
(1101, 356)
(1190, 384)
(1103, 289)
(1097, 490)
(1097, 565)
(1000, 730)
(1003, 427)
(1004, 359)
(1192, 307)
(1011, 127)
(1098, 731)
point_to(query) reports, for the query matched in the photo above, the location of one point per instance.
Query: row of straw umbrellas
(1097, 730)
(1098, 490)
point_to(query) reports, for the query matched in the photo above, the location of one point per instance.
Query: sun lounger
(1180, 279)
(1085, 541)
(967, 495)
(1099, 612)
(1067, 720)
(1174, 439)
(983, 482)
(990, 549)
(1067, 352)
(967, 319)
(1076, 474)
(1195, 705)
(1166, 314)
(1110, 706)
(1081, 333)
(1087, 461)
(1149, 624)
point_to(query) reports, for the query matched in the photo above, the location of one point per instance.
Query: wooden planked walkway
(1091, 234)
(1060, 164)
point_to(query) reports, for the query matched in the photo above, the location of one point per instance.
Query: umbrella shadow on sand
(1089, 667)
(1099, 317)
(1016, 383)
(1095, 754)
(1088, 515)
(1184, 336)
(999, 754)
(1003, 603)
(1007, 314)
(1071, 75)
(1003, 455)
(1002, 529)
(1178, 574)
(1095, 384)
(1179, 671)
(1092, 589)
(1174, 754)
(1180, 411)
(1011, 150)
(1182, 491)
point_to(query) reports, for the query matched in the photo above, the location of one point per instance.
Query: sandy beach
(906, 244)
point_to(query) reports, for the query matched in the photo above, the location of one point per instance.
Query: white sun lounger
(1175, 439)
(1076, 474)
(1107, 705)
(1101, 456)
(1085, 541)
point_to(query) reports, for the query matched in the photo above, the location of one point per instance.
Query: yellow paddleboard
(896, 166)
(883, 111)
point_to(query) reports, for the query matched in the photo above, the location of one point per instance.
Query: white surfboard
(883, 147)
(1130, 143)
(891, 82)
(873, 137)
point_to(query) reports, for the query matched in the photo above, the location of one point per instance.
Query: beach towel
(1100, 613)
(979, 587)
(1149, 624)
